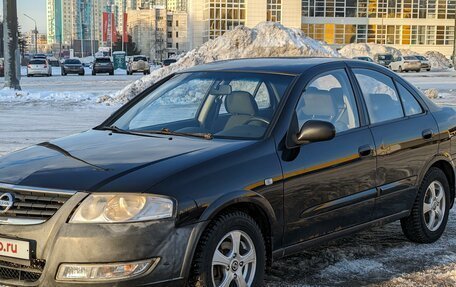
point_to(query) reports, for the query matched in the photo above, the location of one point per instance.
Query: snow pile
(367, 49)
(265, 40)
(431, 93)
(8, 95)
(438, 60)
(408, 52)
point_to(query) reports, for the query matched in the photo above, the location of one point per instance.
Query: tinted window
(411, 105)
(38, 62)
(103, 60)
(140, 59)
(72, 61)
(330, 98)
(410, 58)
(381, 98)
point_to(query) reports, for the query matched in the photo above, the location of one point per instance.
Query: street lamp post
(35, 32)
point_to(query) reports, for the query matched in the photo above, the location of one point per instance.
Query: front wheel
(429, 215)
(231, 252)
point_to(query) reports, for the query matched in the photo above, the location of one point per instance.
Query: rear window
(421, 58)
(72, 61)
(103, 60)
(385, 57)
(140, 59)
(37, 62)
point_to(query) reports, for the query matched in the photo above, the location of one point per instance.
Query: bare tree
(11, 47)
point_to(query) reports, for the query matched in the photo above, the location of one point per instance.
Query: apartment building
(419, 25)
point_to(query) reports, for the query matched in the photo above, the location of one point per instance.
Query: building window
(274, 10)
(177, 34)
(177, 23)
(177, 46)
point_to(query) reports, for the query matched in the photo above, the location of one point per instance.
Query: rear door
(405, 136)
(328, 186)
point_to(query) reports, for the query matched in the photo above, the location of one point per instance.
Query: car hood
(93, 159)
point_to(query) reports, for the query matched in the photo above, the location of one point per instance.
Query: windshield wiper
(165, 131)
(122, 131)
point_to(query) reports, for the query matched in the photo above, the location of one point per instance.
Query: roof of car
(270, 65)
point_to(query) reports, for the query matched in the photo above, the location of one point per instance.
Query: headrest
(318, 103)
(241, 103)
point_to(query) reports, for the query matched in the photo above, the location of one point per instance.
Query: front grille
(34, 204)
(13, 271)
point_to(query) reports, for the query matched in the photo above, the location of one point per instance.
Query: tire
(94, 73)
(416, 226)
(111, 73)
(221, 232)
(400, 69)
(428, 70)
(145, 72)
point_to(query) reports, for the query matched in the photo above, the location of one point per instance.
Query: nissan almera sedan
(212, 173)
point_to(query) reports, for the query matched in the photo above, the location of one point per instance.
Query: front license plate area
(13, 248)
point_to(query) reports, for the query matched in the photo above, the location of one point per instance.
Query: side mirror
(315, 131)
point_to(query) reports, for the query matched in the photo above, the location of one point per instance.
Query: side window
(381, 98)
(329, 97)
(411, 105)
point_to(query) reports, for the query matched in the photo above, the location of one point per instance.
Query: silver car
(40, 67)
(425, 64)
(405, 64)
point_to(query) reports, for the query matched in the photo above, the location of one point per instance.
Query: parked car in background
(2, 67)
(425, 64)
(102, 65)
(72, 66)
(168, 62)
(54, 62)
(405, 64)
(383, 59)
(39, 67)
(211, 174)
(39, 56)
(364, 58)
(138, 64)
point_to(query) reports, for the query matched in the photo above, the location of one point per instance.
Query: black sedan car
(103, 65)
(212, 173)
(72, 66)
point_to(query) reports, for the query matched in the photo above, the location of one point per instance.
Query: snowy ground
(59, 106)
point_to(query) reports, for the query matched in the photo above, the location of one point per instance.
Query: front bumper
(103, 69)
(37, 72)
(73, 71)
(60, 242)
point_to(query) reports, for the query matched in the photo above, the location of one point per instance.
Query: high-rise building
(147, 28)
(209, 19)
(420, 25)
(70, 21)
(177, 33)
(176, 5)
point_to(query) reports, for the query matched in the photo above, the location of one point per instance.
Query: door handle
(427, 134)
(365, 150)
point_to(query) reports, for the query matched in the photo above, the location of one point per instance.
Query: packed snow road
(59, 106)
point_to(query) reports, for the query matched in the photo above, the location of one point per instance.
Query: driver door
(329, 185)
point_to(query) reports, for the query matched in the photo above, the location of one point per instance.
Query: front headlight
(118, 208)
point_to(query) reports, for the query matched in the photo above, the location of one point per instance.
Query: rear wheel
(400, 69)
(429, 215)
(111, 73)
(428, 70)
(94, 73)
(231, 252)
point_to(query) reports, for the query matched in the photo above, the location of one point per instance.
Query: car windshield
(421, 58)
(410, 58)
(37, 62)
(103, 60)
(72, 61)
(223, 105)
(140, 59)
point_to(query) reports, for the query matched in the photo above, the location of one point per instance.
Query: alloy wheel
(434, 205)
(234, 261)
